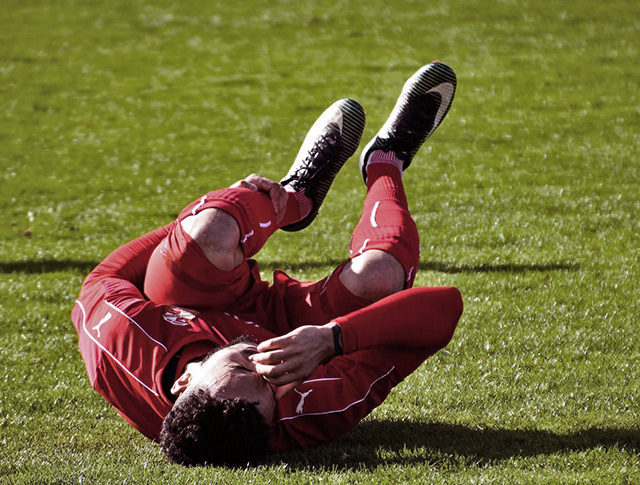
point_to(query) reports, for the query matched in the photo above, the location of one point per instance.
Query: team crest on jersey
(178, 316)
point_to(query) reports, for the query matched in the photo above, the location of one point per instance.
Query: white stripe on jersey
(323, 380)
(84, 326)
(135, 323)
(346, 407)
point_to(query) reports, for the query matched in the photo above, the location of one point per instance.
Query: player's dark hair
(202, 430)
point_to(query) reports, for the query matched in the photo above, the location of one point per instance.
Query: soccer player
(183, 337)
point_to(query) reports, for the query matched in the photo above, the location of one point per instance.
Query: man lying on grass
(183, 337)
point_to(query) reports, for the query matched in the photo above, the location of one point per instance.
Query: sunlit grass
(114, 115)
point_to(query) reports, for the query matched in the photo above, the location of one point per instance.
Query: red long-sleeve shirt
(127, 343)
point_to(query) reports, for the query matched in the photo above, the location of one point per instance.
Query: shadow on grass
(434, 266)
(55, 266)
(47, 266)
(381, 443)
(497, 268)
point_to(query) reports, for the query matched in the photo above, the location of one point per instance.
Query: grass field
(114, 115)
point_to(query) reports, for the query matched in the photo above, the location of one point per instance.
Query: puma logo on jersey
(303, 396)
(106, 318)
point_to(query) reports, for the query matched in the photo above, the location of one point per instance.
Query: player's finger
(282, 372)
(276, 374)
(254, 178)
(263, 183)
(273, 344)
(266, 346)
(269, 358)
(257, 181)
(283, 198)
(275, 192)
(269, 187)
(266, 371)
(244, 184)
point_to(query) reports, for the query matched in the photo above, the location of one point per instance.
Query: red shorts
(179, 273)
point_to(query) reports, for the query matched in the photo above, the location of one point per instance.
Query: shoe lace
(324, 150)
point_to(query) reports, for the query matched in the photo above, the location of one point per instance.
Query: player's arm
(129, 262)
(417, 319)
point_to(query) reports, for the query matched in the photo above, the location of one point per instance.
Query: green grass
(113, 115)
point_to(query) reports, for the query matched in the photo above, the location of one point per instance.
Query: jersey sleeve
(129, 262)
(335, 398)
(418, 318)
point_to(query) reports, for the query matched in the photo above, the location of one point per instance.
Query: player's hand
(288, 360)
(274, 190)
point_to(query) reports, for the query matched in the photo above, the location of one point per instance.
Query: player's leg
(332, 140)
(385, 245)
(218, 235)
(203, 262)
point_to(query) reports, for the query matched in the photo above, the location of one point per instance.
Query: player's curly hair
(202, 430)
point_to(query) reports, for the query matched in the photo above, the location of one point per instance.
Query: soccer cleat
(333, 138)
(423, 103)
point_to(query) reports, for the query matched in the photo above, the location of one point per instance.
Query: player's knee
(218, 235)
(373, 275)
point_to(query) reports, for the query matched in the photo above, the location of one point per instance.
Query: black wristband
(337, 332)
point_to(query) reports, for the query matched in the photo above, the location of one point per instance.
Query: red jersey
(127, 341)
(128, 344)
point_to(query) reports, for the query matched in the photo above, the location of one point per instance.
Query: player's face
(229, 373)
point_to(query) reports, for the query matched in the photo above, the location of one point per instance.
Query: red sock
(389, 158)
(386, 223)
(298, 206)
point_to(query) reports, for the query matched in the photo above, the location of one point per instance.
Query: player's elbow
(457, 305)
(450, 313)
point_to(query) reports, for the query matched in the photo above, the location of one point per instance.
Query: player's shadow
(47, 266)
(433, 266)
(83, 266)
(384, 442)
(497, 268)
